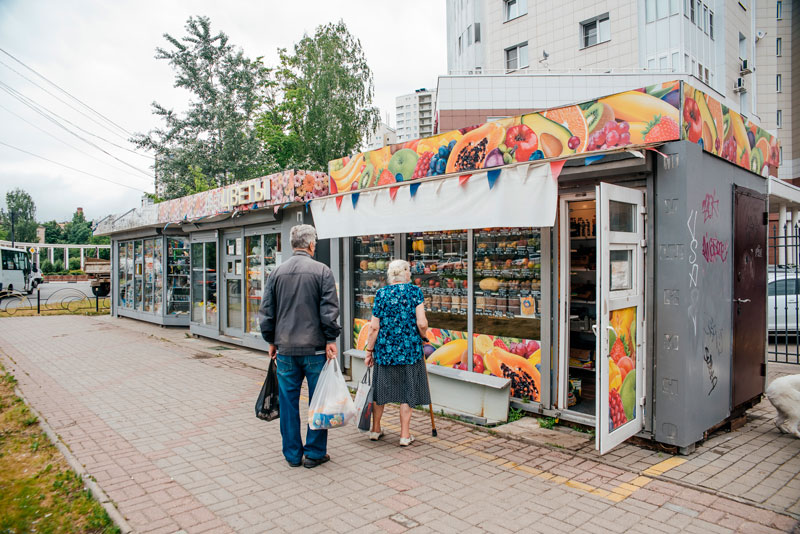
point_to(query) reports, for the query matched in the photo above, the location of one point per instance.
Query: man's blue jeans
(291, 371)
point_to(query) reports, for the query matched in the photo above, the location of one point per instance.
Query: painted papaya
(525, 379)
(471, 150)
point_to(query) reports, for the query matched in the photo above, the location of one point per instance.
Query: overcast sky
(102, 53)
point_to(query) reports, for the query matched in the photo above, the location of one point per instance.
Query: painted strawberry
(662, 129)
(617, 351)
(386, 178)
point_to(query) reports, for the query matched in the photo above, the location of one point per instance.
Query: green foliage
(48, 267)
(215, 141)
(78, 230)
(515, 415)
(21, 205)
(74, 264)
(547, 422)
(53, 233)
(58, 266)
(327, 96)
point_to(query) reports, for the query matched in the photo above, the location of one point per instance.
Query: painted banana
(348, 174)
(449, 354)
(634, 106)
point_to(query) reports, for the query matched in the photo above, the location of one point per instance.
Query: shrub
(58, 266)
(48, 267)
(74, 264)
(76, 271)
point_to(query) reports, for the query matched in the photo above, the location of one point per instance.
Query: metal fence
(783, 294)
(61, 302)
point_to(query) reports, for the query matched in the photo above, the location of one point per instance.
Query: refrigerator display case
(178, 277)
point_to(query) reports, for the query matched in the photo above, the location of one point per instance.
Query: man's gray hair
(302, 236)
(396, 272)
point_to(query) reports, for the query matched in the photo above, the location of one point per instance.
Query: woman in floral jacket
(394, 347)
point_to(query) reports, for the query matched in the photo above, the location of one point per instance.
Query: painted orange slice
(572, 118)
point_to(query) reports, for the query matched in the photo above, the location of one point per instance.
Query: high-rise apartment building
(415, 114)
(512, 56)
(382, 136)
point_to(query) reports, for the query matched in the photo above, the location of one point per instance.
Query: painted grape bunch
(616, 410)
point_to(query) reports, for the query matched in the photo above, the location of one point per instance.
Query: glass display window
(210, 271)
(234, 271)
(507, 297)
(138, 274)
(439, 265)
(177, 276)
(262, 256)
(158, 276)
(129, 277)
(198, 283)
(122, 286)
(371, 257)
(148, 275)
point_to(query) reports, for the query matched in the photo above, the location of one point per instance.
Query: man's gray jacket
(300, 309)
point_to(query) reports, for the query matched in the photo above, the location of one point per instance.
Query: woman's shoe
(405, 442)
(375, 436)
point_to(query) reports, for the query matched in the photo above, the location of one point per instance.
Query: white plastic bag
(331, 406)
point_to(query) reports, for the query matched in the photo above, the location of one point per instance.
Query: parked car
(783, 305)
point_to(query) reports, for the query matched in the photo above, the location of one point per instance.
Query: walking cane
(428, 383)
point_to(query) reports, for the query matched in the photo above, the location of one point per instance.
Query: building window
(711, 24)
(517, 57)
(662, 63)
(459, 45)
(705, 19)
(691, 11)
(779, 119)
(469, 35)
(779, 10)
(650, 10)
(676, 57)
(673, 7)
(699, 14)
(778, 83)
(662, 8)
(477, 32)
(705, 73)
(513, 9)
(595, 31)
(778, 45)
(700, 71)
(685, 63)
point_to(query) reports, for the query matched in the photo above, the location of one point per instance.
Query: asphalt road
(52, 292)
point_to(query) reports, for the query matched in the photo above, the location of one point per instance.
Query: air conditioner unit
(744, 68)
(739, 87)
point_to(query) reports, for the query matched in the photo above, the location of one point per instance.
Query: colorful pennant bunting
(591, 159)
(493, 175)
(393, 191)
(556, 167)
(413, 189)
(339, 202)
(354, 198)
(464, 178)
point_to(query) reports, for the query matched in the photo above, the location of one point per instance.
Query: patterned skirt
(406, 384)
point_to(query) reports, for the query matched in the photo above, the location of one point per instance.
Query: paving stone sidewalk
(165, 425)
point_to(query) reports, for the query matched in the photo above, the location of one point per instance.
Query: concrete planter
(482, 399)
(66, 277)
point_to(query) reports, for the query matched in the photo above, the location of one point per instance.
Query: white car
(783, 305)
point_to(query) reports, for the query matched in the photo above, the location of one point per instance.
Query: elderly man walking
(299, 319)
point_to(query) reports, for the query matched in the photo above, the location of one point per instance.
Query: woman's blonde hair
(396, 272)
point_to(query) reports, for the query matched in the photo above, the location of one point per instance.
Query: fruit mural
(621, 367)
(514, 358)
(645, 115)
(725, 133)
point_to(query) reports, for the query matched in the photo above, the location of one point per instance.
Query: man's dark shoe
(293, 464)
(314, 462)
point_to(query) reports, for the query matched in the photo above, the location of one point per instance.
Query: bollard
(96, 304)
(38, 301)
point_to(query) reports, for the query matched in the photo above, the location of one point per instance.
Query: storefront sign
(257, 190)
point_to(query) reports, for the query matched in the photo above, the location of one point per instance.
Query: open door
(620, 315)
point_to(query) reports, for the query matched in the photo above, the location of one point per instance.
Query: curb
(97, 491)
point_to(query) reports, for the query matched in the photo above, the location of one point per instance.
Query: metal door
(749, 297)
(232, 284)
(620, 311)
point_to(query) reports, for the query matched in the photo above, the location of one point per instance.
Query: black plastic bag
(267, 407)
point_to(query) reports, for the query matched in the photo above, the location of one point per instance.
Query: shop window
(138, 275)
(177, 276)
(122, 287)
(204, 283)
(517, 57)
(263, 256)
(149, 276)
(371, 256)
(130, 275)
(595, 31)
